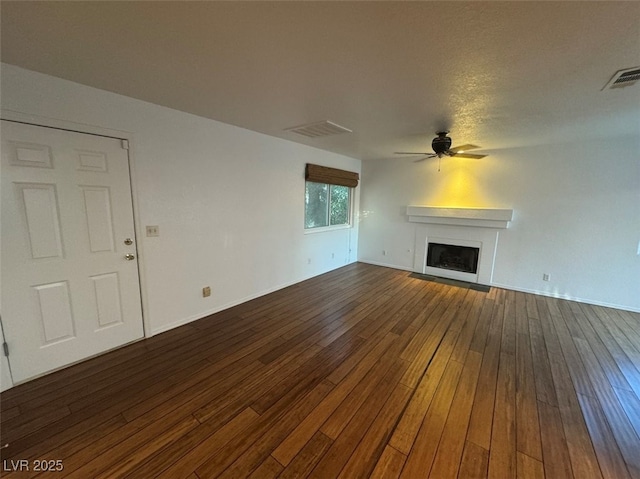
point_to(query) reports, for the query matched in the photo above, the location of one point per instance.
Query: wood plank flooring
(361, 372)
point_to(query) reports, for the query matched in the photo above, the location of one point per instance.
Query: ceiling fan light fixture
(441, 143)
(442, 147)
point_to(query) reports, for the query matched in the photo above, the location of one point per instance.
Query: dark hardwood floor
(361, 372)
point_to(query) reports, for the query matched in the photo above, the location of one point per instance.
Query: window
(326, 205)
(327, 201)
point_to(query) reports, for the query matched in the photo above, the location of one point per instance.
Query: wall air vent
(320, 128)
(624, 78)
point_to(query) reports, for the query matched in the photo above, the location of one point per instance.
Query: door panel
(107, 291)
(68, 290)
(55, 319)
(97, 205)
(40, 206)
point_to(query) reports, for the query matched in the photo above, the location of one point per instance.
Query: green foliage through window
(326, 205)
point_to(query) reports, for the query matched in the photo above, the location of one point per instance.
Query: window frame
(322, 229)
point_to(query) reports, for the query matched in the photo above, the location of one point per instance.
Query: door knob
(128, 241)
(129, 257)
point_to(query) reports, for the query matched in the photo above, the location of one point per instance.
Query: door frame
(6, 376)
(35, 120)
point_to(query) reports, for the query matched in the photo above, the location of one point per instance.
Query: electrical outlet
(545, 277)
(153, 230)
(206, 291)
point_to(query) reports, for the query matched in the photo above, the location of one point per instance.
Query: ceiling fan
(442, 147)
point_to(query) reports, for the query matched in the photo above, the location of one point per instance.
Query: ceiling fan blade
(466, 147)
(411, 153)
(468, 155)
(425, 158)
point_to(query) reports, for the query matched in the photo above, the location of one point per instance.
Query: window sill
(323, 229)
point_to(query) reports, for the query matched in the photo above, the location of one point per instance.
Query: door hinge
(125, 144)
(5, 349)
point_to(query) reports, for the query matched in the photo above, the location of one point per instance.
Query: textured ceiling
(497, 74)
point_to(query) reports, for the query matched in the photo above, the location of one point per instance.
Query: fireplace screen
(457, 258)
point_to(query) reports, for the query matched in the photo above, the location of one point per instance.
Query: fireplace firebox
(453, 257)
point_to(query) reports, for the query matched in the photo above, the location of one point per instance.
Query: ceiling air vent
(320, 128)
(624, 78)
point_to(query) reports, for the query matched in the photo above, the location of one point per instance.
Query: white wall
(229, 202)
(576, 214)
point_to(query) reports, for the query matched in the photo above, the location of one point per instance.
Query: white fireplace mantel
(475, 227)
(478, 217)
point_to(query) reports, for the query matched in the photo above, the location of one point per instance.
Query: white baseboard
(567, 297)
(526, 290)
(190, 319)
(187, 320)
(386, 265)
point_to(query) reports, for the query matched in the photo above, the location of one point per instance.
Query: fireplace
(453, 257)
(457, 243)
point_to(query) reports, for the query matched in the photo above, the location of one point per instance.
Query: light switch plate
(153, 230)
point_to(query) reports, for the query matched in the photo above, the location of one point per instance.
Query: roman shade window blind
(331, 176)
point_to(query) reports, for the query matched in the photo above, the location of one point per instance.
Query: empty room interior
(320, 239)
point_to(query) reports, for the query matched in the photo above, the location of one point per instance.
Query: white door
(70, 285)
